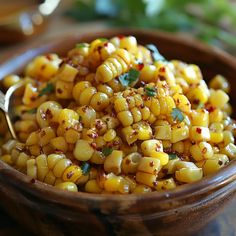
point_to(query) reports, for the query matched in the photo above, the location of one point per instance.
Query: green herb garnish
(107, 151)
(32, 111)
(81, 45)
(172, 156)
(103, 39)
(85, 168)
(150, 92)
(177, 114)
(129, 77)
(46, 90)
(155, 53)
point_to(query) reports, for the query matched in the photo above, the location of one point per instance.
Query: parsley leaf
(107, 151)
(127, 78)
(46, 90)
(85, 167)
(32, 111)
(177, 114)
(156, 56)
(81, 45)
(150, 92)
(172, 156)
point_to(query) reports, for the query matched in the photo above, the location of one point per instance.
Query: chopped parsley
(32, 111)
(85, 167)
(172, 156)
(46, 90)
(156, 56)
(177, 114)
(150, 92)
(103, 39)
(81, 45)
(107, 151)
(128, 78)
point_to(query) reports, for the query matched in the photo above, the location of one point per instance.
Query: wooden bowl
(46, 210)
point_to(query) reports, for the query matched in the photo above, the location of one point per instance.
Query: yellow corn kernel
(67, 73)
(129, 43)
(229, 150)
(179, 132)
(61, 166)
(72, 174)
(185, 164)
(143, 130)
(105, 89)
(31, 168)
(228, 137)
(7, 159)
(71, 136)
(151, 147)
(64, 89)
(68, 118)
(145, 111)
(216, 137)
(48, 113)
(146, 178)
(212, 165)
(120, 104)
(79, 88)
(182, 102)
(171, 167)
(197, 94)
(112, 183)
(199, 133)
(86, 95)
(113, 162)
(10, 80)
(189, 175)
(137, 115)
(148, 73)
(83, 150)
(68, 186)
(216, 115)
(50, 178)
(163, 132)
(140, 188)
(219, 82)
(87, 115)
(149, 165)
(166, 105)
(200, 117)
(22, 160)
(126, 118)
(109, 135)
(92, 187)
(41, 162)
(178, 147)
(99, 101)
(216, 126)
(218, 98)
(191, 74)
(30, 94)
(155, 107)
(52, 160)
(165, 184)
(130, 163)
(200, 151)
(35, 150)
(129, 134)
(59, 143)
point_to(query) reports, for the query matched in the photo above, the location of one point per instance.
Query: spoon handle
(3, 102)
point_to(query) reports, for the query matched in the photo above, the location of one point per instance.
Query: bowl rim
(209, 183)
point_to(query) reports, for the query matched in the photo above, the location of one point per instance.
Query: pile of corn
(116, 117)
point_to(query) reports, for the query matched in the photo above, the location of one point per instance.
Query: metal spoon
(5, 103)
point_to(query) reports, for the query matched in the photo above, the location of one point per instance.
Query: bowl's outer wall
(46, 214)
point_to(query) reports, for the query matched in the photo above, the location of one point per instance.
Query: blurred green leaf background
(213, 21)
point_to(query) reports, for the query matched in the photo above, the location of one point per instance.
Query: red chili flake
(210, 109)
(93, 145)
(204, 150)
(99, 49)
(120, 36)
(199, 130)
(48, 114)
(162, 69)
(49, 57)
(98, 103)
(32, 181)
(69, 174)
(140, 66)
(59, 90)
(151, 163)
(196, 101)
(127, 161)
(105, 44)
(33, 98)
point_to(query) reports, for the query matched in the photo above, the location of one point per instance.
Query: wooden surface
(223, 225)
